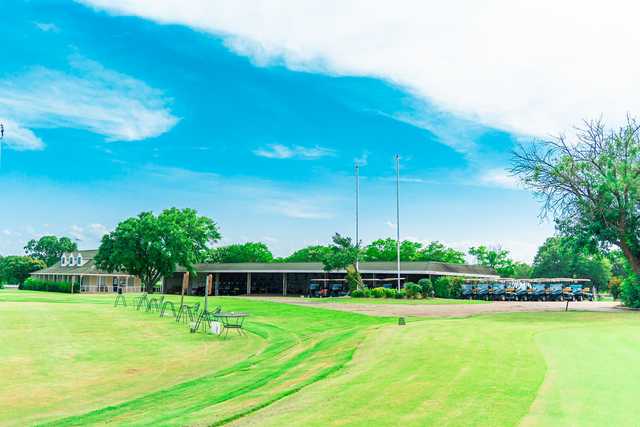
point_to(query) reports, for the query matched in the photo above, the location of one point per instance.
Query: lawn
(428, 301)
(76, 360)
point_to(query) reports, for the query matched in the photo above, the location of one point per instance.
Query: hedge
(33, 284)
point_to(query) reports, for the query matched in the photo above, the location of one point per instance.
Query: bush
(455, 287)
(33, 284)
(401, 294)
(390, 292)
(360, 293)
(426, 287)
(441, 287)
(615, 287)
(378, 292)
(413, 290)
(631, 291)
(354, 279)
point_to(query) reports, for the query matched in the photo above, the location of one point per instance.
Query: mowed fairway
(76, 360)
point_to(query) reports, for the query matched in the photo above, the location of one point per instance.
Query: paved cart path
(447, 310)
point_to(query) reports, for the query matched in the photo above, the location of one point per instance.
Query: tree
(496, 258)
(343, 253)
(241, 252)
(49, 248)
(151, 247)
(353, 278)
(18, 268)
(521, 270)
(315, 253)
(385, 250)
(436, 251)
(591, 185)
(564, 257)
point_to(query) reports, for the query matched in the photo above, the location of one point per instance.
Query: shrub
(354, 279)
(401, 294)
(455, 287)
(426, 287)
(390, 292)
(377, 292)
(358, 293)
(615, 287)
(33, 284)
(441, 287)
(413, 290)
(631, 291)
(1, 285)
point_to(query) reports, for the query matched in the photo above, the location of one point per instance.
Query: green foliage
(49, 248)
(413, 290)
(378, 292)
(360, 293)
(521, 270)
(385, 250)
(496, 258)
(390, 292)
(630, 295)
(564, 257)
(615, 287)
(241, 252)
(151, 247)
(15, 269)
(33, 284)
(315, 253)
(353, 278)
(448, 287)
(401, 294)
(342, 253)
(426, 287)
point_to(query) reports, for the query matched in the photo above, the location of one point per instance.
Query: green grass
(76, 360)
(428, 301)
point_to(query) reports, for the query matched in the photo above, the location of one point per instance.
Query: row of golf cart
(528, 290)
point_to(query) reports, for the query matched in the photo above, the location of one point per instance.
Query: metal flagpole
(398, 217)
(1, 137)
(357, 167)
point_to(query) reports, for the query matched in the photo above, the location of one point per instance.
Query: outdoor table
(231, 320)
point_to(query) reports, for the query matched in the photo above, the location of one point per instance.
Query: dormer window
(72, 261)
(63, 261)
(79, 259)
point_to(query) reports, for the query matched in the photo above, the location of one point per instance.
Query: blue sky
(108, 113)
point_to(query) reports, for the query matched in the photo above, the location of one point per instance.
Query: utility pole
(398, 217)
(357, 171)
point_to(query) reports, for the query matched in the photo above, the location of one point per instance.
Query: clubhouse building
(252, 278)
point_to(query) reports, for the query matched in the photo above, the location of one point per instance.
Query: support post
(248, 283)
(284, 284)
(207, 291)
(217, 292)
(185, 284)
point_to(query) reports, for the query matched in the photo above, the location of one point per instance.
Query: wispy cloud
(102, 101)
(279, 151)
(499, 178)
(300, 208)
(47, 26)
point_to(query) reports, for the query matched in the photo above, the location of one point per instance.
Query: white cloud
(101, 101)
(299, 208)
(77, 232)
(499, 178)
(47, 26)
(279, 151)
(531, 67)
(97, 230)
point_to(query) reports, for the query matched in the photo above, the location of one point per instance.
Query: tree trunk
(634, 261)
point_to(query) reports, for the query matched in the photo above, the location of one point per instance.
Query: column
(217, 284)
(284, 284)
(248, 283)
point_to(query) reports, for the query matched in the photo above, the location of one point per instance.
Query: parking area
(449, 310)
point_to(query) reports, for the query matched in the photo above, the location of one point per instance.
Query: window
(72, 261)
(63, 261)
(79, 259)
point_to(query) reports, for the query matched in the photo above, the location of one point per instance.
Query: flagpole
(398, 217)
(357, 171)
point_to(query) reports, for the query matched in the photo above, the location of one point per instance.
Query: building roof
(88, 266)
(436, 268)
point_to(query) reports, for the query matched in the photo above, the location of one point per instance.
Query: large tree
(563, 257)
(385, 250)
(343, 253)
(436, 251)
(17, 268)
(49, 248)
(496, 258)
(590, 184)
(240, 252)
(150, 246)
(315, 253)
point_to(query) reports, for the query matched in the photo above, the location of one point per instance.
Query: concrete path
(448, 310)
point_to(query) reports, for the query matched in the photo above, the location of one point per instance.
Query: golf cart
(482, 291)
(468, 290)
(536, 292)
(516, 291)
(497, 292)
(555, 292)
